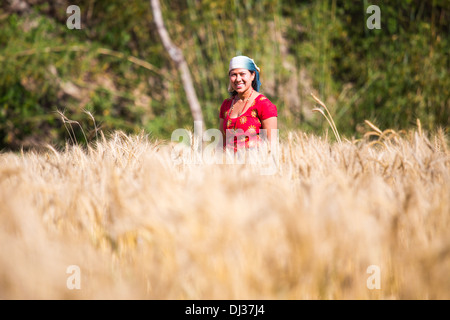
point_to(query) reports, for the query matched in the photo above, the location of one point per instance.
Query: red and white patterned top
(249, 123)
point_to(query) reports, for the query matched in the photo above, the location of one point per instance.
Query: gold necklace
(246, 100)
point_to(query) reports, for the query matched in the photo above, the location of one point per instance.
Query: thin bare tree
(177, 56)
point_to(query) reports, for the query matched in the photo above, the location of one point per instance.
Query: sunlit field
(359, 219)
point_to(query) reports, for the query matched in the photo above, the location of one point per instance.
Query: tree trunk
(177, 56)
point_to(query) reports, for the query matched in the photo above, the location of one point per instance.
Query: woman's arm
(270, 124)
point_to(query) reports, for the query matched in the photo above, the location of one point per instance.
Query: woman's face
(241, 80)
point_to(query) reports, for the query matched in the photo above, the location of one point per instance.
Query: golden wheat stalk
(71, 132)
(329, 118)
(374, 127)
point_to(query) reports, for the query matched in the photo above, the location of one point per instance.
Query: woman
(246, 111)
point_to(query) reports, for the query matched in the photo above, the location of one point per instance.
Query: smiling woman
(247, 111)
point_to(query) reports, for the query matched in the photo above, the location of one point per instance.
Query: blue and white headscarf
(245, 63)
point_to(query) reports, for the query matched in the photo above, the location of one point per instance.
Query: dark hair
(254, 84)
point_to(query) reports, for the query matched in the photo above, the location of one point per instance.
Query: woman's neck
(246, 94)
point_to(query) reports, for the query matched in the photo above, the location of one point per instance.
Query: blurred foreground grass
(140, 227)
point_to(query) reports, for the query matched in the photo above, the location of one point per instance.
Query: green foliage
(392, 76)
(116, 68)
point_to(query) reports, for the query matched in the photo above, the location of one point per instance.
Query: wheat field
(137, 226)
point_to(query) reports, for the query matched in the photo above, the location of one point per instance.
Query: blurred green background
(114, 74)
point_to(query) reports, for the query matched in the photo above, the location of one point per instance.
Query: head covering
(245, 63)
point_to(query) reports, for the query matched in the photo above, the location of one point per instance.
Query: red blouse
(250, 122)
